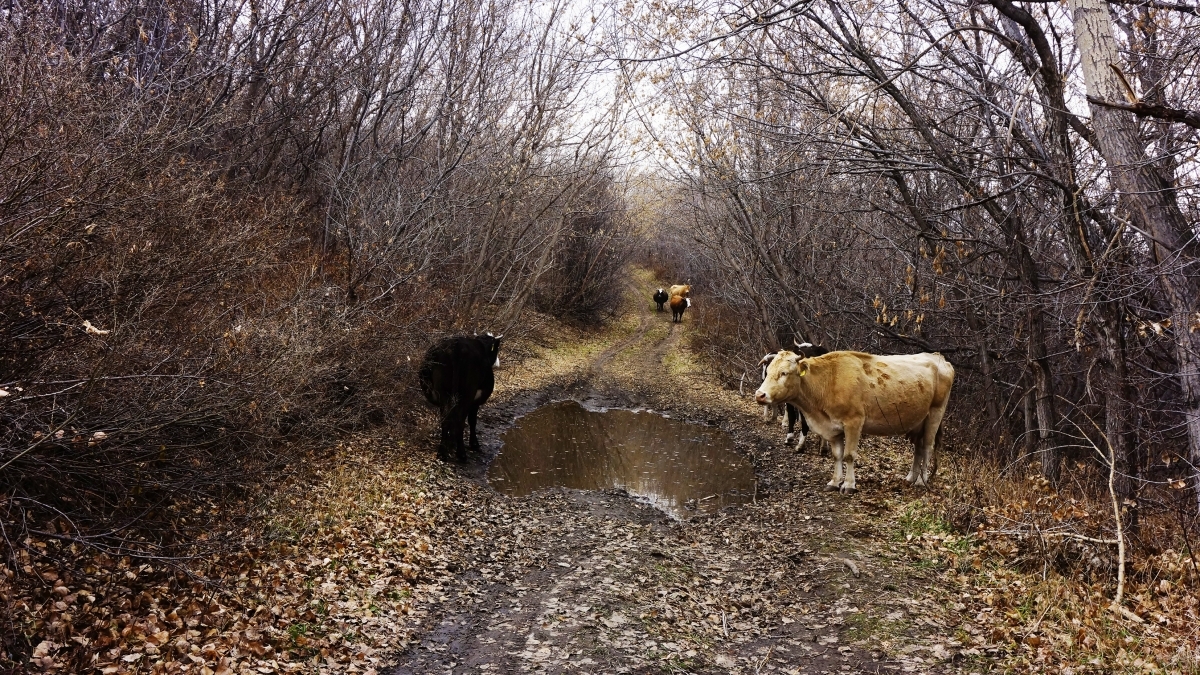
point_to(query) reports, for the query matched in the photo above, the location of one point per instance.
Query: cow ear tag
(803, 369)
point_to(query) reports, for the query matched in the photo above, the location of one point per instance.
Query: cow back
(458, 369)
(892, 394)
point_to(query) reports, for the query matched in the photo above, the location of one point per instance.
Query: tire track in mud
(601, 362)
(648, 355)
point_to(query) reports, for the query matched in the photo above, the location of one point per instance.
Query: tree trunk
(1150, 201)
(990, 392)
(1118, 415)
(1031, 434)
(1045, 404)
(1045, 400)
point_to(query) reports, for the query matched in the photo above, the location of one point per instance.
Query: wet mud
(683, 469)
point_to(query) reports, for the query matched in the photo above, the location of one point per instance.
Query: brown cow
(843, 395)
(679, 301)
(678, 304)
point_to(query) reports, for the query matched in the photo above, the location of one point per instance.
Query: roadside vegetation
(1012, 185)
(228, 232)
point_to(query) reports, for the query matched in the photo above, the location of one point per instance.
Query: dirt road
(799, 581)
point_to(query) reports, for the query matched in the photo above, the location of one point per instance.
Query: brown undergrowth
(326, 568)
(326, 574)
(1034, 571)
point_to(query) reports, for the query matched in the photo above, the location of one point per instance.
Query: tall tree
(1151, 201)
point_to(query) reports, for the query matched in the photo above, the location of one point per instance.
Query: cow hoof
(830, 487)
(788, 440)
(849, 490)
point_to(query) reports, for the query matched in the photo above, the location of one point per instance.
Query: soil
(379, 558)
(797, 581)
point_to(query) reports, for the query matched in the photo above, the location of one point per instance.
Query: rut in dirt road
(597, 582)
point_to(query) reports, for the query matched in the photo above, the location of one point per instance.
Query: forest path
(799, 581)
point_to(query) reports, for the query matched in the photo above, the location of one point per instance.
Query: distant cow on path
(456, 376)
(660, 298)
(843, 395)
(680, 301)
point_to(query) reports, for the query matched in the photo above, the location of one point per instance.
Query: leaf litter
(382, 559)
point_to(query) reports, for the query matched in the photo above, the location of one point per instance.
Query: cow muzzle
(761, 397)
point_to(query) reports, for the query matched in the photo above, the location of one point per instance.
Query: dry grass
(1040, 593)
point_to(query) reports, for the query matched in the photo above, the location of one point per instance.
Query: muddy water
(682, 469)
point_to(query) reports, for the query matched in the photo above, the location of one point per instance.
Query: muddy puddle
(682, 469)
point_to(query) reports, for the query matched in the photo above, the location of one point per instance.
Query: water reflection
(681, 468)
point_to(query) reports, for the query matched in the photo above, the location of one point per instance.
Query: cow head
(492, 343)
(781, 379)
(764, 362)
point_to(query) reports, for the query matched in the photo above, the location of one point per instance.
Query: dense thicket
(906, 176)
(225, 228)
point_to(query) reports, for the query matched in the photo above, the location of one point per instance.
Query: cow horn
(500, 337)
(766, 360)
(801, 345)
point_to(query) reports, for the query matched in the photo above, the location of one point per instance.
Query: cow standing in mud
(844, 395)
(456, 376)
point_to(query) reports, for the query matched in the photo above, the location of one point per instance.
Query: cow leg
(456, 419)
(472, 416)
(836, 482)
(850, 453)
(790, 423)
(915, 472)
(770, 412)
(933, 428)
(446, 444)
(792, 413)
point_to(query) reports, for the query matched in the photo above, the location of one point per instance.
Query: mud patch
(682, 469)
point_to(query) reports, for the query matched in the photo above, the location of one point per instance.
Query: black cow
(660, 298)
(456, 376)
(809, 350)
